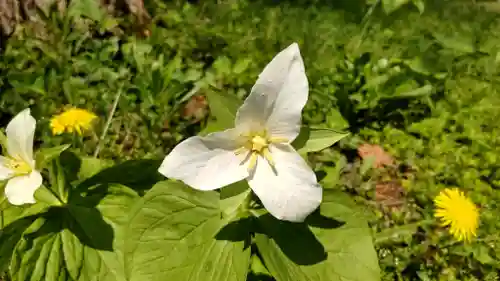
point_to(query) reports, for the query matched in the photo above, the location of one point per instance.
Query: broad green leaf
(312, 140)
(80, 168)
(45, 196)
(334, 244)
(335, 120)
(211, 127)
(233, 197)
(88, 171)
(392, 5)
(57, 184)
(9, 236)
(223, 107)
(177, 233)
(90, 166)
(10, 213)
(258, 267)
(136, 174)
(13, 221)
(80, 241)
(45, 155)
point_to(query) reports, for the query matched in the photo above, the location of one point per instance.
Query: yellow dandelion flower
(457, 211)
(72, 120)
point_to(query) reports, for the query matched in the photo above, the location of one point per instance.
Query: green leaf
(392, 5)
(335, 120)
(90, 166)
(241, 65)
(413, 93)
(87, 8)
(10, 213)
(211, 127)
(420, 4)
(45, 196)
(332, 178)
(258, 268)
(234, 197)
(334, 244)
(80, 241)
(456, 41)
(223, 107)
(481, 254)
(312, 140)
(9, 236)
(13, 221)
(139, 175)
(86, 172)
(3, 142)
(176, 233)
(396, 233)
(45, 155)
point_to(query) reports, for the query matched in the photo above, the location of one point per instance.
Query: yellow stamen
(252, 162)
(267, 154)
(258, 144)
(19, 167)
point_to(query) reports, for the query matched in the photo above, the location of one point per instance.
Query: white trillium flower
(258, 148)
(18, 166)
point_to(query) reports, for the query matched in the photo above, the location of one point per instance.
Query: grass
(421, 87)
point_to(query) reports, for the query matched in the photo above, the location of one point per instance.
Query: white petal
(291, 191)
(278, 96)
(5, 172)
(206, 163)
(20, 132)
(21, 190)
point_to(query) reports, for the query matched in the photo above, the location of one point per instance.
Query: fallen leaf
(196, 108)
(389, 194)
(380, 156)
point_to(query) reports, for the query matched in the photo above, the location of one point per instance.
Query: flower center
(19, 167)
(258, 144)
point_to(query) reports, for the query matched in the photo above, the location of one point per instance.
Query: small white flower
(258, 147)
(18, 166)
